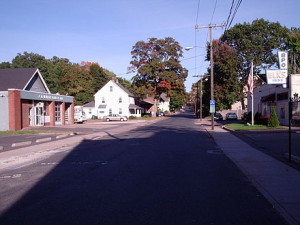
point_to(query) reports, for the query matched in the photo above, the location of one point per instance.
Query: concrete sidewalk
(278, 182)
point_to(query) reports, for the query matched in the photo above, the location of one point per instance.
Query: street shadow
(171, 172)
(97, 181)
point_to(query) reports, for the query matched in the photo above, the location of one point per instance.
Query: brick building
(25, 101)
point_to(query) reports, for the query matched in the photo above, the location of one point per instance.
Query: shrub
(146, 116)
(273, 121)
(132, 117)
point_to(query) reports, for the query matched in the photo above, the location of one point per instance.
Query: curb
(294, 158)
(19, 144)
(43, 140)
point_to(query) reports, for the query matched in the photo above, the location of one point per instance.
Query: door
(39, 114)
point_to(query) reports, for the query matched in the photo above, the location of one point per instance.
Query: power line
(232, 13)
(214, 11)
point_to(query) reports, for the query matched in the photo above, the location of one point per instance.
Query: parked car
(218, 117)
(79, 115)
(160, 114)
(231, 116)
(115, 117)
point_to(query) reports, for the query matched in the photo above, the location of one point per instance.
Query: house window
(120, 100)
(110, 111)
(111, 88)
(103, 100)
(120, 111)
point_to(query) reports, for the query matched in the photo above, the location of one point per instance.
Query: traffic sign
(212, 106)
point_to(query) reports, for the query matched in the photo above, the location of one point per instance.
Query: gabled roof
(119, 85)
(19, 78)
(164, 97)
(90, 104)
(124, 89)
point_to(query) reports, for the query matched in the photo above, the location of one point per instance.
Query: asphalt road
(170, 172)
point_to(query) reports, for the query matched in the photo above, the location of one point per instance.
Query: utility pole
(201, 92)
(211, 65)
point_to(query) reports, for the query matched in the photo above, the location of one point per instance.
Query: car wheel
(107, 119)
(122, 119)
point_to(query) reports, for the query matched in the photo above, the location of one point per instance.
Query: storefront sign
(283, 60)
(277, 76)
(45, 97)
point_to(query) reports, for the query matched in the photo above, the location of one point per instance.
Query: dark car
(231, 116)
(218, 117)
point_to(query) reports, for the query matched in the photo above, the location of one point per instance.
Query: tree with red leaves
(158, 69)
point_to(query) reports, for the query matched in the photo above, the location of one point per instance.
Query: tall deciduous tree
(293, 44)
(158, 69)
(227, 88)
(33, 60)
(256, 42)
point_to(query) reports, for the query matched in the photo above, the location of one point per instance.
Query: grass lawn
(242, 126)
(19, 132)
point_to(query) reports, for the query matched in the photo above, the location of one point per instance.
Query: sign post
(212, 110)
(212, 106)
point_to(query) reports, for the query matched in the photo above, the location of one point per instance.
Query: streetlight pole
(211, 66)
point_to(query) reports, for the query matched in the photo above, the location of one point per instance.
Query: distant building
(89, 110)
(25, 100)
(112, 98)
(164, 103)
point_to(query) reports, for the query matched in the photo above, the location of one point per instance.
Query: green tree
(33, 60)
(157, 67)
(273, 121)
(227, 89)
(77, 82)
(293, 44)
(5, 65)
(256, 42)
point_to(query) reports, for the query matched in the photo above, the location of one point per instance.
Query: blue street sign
(212, 106)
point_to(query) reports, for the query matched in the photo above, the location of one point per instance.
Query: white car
(115, 117)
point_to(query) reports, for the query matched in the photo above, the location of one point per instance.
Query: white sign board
(277, 76)
(283, 60)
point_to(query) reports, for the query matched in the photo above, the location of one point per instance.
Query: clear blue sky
(104, 31)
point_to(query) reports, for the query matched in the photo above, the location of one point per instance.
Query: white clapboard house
(112, 98)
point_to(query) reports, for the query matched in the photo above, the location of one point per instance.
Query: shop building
(270, 95)
(26, 101)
